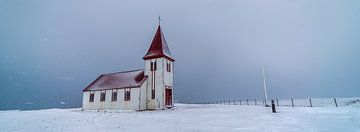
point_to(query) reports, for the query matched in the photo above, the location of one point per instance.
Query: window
(168, 67)
(153, 94)
(127, 95)
(114, 95)
(102, 96)
(153, 66)
(91, 99)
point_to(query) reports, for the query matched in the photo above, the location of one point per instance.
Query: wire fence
(308, 102)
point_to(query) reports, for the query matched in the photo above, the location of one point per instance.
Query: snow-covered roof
(126, 79)
(158, 47)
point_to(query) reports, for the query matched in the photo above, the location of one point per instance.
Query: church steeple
(158, 47)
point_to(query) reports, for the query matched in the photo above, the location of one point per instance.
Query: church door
(168, 97)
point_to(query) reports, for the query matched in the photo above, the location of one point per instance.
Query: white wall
(143, 95)
(133, 104)
(162, 78)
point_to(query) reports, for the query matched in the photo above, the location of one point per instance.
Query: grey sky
(51, 50)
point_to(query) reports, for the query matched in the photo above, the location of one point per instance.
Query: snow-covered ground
(187, 118)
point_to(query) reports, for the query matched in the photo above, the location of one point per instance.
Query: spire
(158, 47)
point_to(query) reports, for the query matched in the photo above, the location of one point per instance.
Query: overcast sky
(51, 50)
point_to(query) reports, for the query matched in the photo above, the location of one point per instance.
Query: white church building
(147, 89)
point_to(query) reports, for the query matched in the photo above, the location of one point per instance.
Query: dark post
(273, 106)
(310, 103)
(277, 102)
(255, 102)
(264, 102)
(335, 102)
(234, 102)
(240, 101)
(247, 102)
(292, 102)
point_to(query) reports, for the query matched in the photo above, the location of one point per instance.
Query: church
(150, 88)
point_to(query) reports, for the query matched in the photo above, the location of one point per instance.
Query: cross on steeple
(159, 19)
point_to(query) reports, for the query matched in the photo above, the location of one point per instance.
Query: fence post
(277, 102)
(247, 101)
(240, 101)
(310, 102)
(273, 106)
(229, 102)
(234, 102)
(255, 102)
(263, 102)
(335, 102)
(292, 102)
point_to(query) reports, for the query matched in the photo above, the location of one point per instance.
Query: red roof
(159, 47)
(127, 79)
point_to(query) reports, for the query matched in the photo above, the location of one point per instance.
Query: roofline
(158, 56)
(141, 83)
(92, 82)
(111, 89)
(85, 89)
(123, 72)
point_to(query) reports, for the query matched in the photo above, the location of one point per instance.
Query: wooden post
(335, 102)
(234, 102)
(247, 102)
(240, 101)
(277, 102)
(255, 102)
(310, 102)
(273, 106)
(292, 102)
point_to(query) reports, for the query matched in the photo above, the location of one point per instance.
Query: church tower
(159, 67)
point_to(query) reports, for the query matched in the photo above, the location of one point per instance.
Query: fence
(310, 102)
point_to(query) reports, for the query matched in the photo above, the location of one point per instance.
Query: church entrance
(168, 97)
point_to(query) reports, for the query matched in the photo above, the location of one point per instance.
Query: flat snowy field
(187, 118)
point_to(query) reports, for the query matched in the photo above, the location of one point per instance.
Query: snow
(187, 118)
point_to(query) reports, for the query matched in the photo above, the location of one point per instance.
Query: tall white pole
(266, 98)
